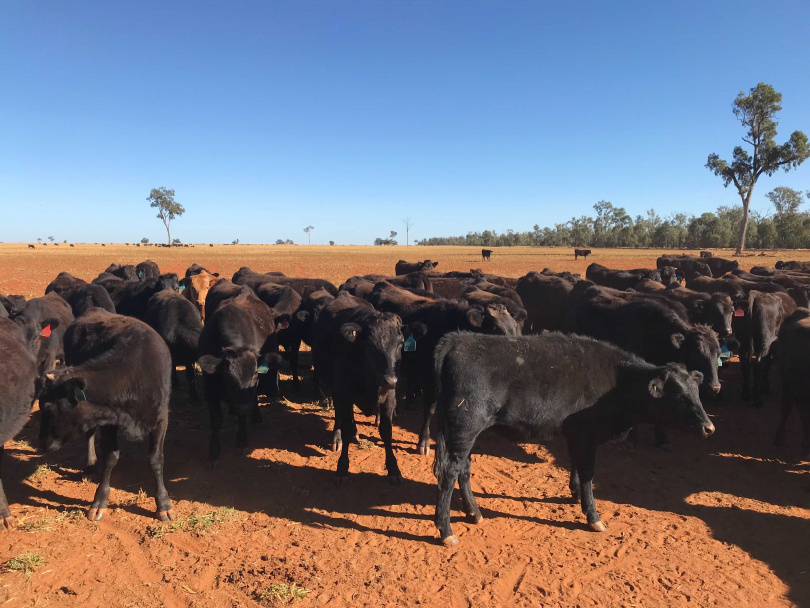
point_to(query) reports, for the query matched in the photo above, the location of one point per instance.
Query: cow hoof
(597, 526)
(94, 514)
(424, 450)
(8, 522)
(166, 515)
(475, 518)
(395, 480)
(450, 541)
(337, 446)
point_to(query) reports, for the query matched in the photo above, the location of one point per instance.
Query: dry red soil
(717, 522)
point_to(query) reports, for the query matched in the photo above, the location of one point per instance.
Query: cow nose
(390, 381)
(715, 388)
(708, 429)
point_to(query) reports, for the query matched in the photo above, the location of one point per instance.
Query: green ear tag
(182, 287)
(719, 362)
(79, 394)
(263, 369)
(410, 344)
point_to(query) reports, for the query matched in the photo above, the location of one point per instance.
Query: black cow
(756, 324)
(617, 279)
(238, 343)
(483, 299)
(571, 277)
(720, 266)
(133, 298)
(553, 384)
(179, 323)
(485, 254)
(147, 270)
(792, 265)
(18, 368)
(118, 377)
(650, 329)
(356, 354)
(14, 304)
(581, 253)
(449, 287)
(705, 254)
(285, 301)
(403, 267)
(127, 272)
(81, 296)
(413, 280)
(794, 364)
(685, 264)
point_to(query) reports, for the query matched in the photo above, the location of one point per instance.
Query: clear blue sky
(269, 116)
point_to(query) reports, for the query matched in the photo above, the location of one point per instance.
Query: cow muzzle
(707, 429)
(389, 383)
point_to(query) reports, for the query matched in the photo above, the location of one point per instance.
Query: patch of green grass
(201, 523)
(365, 444)
(25, 563)
(282, 592)
(41, 471)
(46, 524)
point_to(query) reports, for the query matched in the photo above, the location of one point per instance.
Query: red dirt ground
(717, 522)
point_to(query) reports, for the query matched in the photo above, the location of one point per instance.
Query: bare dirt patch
(720, 522)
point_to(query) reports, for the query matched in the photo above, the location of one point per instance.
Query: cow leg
(787, 405)
(573, 483)
(344, 415)
(337, 438)
(92, 460)
(292, 356)
(5, 514)
(156, 439)
(467, 496)
(584, 459)
(424, 434)
(109, 458)
(759, 367)
(448, 471)
(745, 370)
(804, 414)
(192, 386)
(215, 417)
(386, 412)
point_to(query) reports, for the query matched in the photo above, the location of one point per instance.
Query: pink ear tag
(46, 332)
(739, 312)
(284, 325)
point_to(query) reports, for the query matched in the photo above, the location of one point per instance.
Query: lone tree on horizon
(163, 200)
(757, 112)
(309, 229)
(408, 225)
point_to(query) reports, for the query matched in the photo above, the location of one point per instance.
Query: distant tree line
(787, 228)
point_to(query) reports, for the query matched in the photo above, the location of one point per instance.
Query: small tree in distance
(162, 199)
(309, 229)
(145, 240)
(51, 239)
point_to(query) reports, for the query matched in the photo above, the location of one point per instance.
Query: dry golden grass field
(717, 522)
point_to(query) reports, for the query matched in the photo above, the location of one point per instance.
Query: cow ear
(435, 264)
(48, 326)
(216, 274)
(475, 317)
(209, 363)
(697, 377)
(415, 329)
(184, 282)
(677, 339)
(350, 331)
(656, 388)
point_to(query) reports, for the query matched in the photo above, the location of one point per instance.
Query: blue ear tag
(140, 274)
(410, 344)
(79, 394)
(263, 369)
(719, 362)
(725, 353)
(182, 287)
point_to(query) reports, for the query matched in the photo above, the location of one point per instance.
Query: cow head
(37, 334)
(63, 405)
(670, 397)
(700, 351)
(238, 370)
(196, 287)
(494, 319)
(381, 338)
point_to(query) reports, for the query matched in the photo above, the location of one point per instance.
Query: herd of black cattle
(545, 354)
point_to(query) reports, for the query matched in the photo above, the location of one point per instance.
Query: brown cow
(196, 287)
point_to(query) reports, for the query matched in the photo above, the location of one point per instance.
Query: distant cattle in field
(581, 253)
(546, 385)
(31, 247)
(705, 254)
(118, 377)
(485, 254)
(71, 244)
